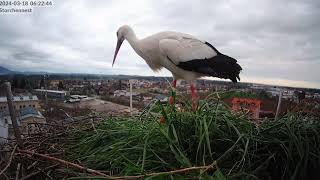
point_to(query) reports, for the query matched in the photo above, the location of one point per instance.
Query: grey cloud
(271, 39)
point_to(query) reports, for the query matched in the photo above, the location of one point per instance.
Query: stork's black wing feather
(221, 66)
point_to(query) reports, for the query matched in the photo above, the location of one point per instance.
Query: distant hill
(4, 70)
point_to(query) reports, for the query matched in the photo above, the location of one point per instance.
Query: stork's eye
(117, 33)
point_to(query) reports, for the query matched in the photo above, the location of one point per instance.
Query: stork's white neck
(131, 37)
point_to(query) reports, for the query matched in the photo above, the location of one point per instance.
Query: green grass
(288, 148)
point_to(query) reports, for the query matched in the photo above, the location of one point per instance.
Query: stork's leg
(171, 98)
(194, 97)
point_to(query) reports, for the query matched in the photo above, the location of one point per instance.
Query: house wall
(3, 131)
(21, 104)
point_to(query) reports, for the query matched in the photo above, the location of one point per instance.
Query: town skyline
(267, 83)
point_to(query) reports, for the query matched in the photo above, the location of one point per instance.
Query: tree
(60, 85)
(23, 83)
(28, 85)
(15, 82)
(42, 83)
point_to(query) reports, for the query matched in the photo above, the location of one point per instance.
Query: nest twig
(50, 140)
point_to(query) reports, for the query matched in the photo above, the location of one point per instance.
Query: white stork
(184, 55)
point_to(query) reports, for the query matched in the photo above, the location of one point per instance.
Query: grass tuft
(288, 148)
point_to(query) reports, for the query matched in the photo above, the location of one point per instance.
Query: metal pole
(279, 105)
(13, 115)
(130, 97)
(46, 91)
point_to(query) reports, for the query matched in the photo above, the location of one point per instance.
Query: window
(33, 106)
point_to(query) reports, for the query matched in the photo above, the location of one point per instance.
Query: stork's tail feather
(225, 67)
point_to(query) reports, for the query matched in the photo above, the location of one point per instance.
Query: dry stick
(9, 162)
(6, 177)
(212, 166)
(32, 165)
(13, 116)
(92, 171)
(94, 128)
(64, 162)
(46, 174)
(18, 171)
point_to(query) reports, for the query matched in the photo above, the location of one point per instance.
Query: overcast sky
(276, 42)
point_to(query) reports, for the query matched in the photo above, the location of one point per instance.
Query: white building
(20, 102)
(273, 91)
(52, 94)
(78, 98)
(118, 93)
(25, 116)
(287, 94)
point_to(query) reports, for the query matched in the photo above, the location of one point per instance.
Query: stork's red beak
(119, 42)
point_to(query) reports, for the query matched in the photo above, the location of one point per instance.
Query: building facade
(28, 120)
(20, 102)
(27, 111)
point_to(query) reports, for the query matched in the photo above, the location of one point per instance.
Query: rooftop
(23, 113)
(50, 91)
(20, 98)
(28, 110)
